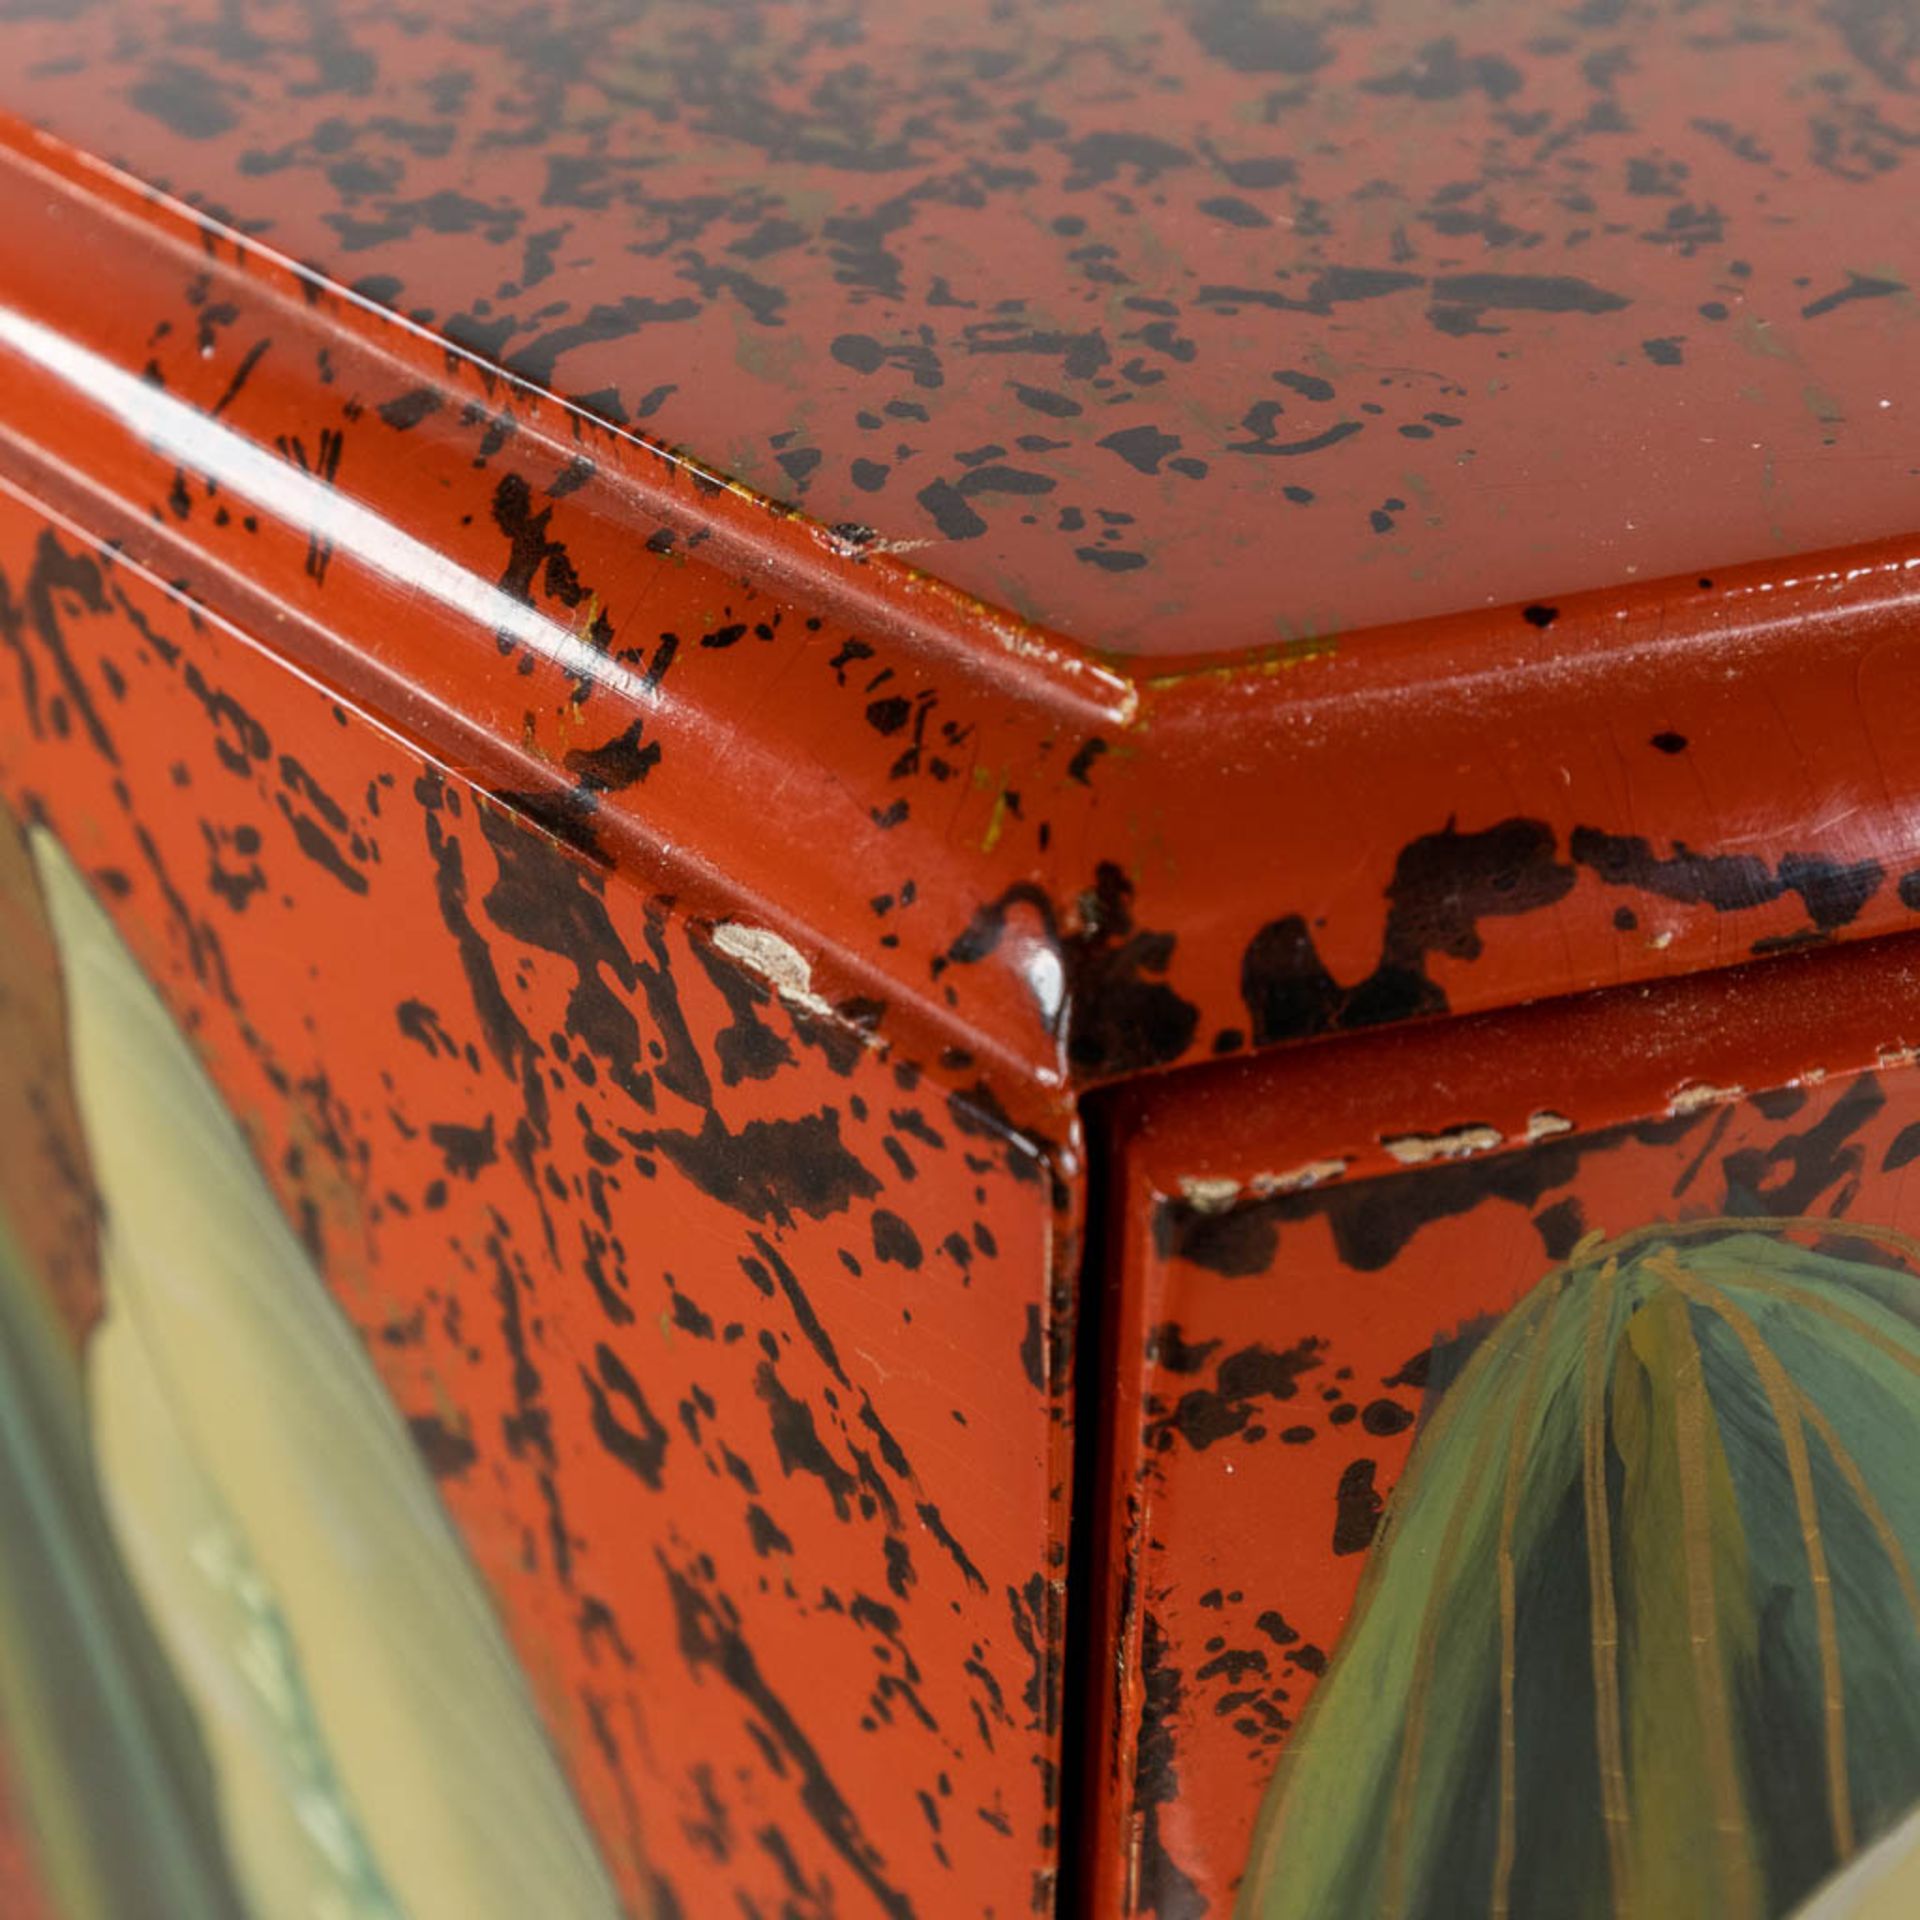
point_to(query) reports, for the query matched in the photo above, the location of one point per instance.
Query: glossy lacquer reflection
(245, 1668)
(1641, 1634)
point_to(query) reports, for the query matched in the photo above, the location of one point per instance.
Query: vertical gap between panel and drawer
(1092, 1363)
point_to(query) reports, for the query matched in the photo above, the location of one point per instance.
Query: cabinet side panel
(728, 1337)
(1322, 1264)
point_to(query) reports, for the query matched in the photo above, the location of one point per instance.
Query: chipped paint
(1311, 1173)
(1209, 1196)
(1456, 1143)
(1692, 1098)
(1305, 1338)
(778, 962)
(648, 608)
(522, 1114)
(824, 606)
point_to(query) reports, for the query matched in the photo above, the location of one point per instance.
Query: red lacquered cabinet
(955, 960)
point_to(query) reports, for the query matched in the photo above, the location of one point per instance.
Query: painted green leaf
(372, 1748)
(1641, 1635)
(99, 1736)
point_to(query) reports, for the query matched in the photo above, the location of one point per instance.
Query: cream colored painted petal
(1883, 1883)
(420, 1703)
(294, 1842)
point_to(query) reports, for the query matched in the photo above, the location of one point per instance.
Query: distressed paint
(588, 561)
(1273, 1358)
(1190, 326)
(997, 819)
(712, 1318)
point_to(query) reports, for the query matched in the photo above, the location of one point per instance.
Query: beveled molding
(913, 812)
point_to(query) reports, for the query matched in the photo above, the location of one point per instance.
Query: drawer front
(1490, 1524)
(721, 1337)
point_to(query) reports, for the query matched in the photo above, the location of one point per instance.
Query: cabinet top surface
(1176, 328)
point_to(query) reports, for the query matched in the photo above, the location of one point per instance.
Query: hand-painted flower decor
(1641, 1635)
